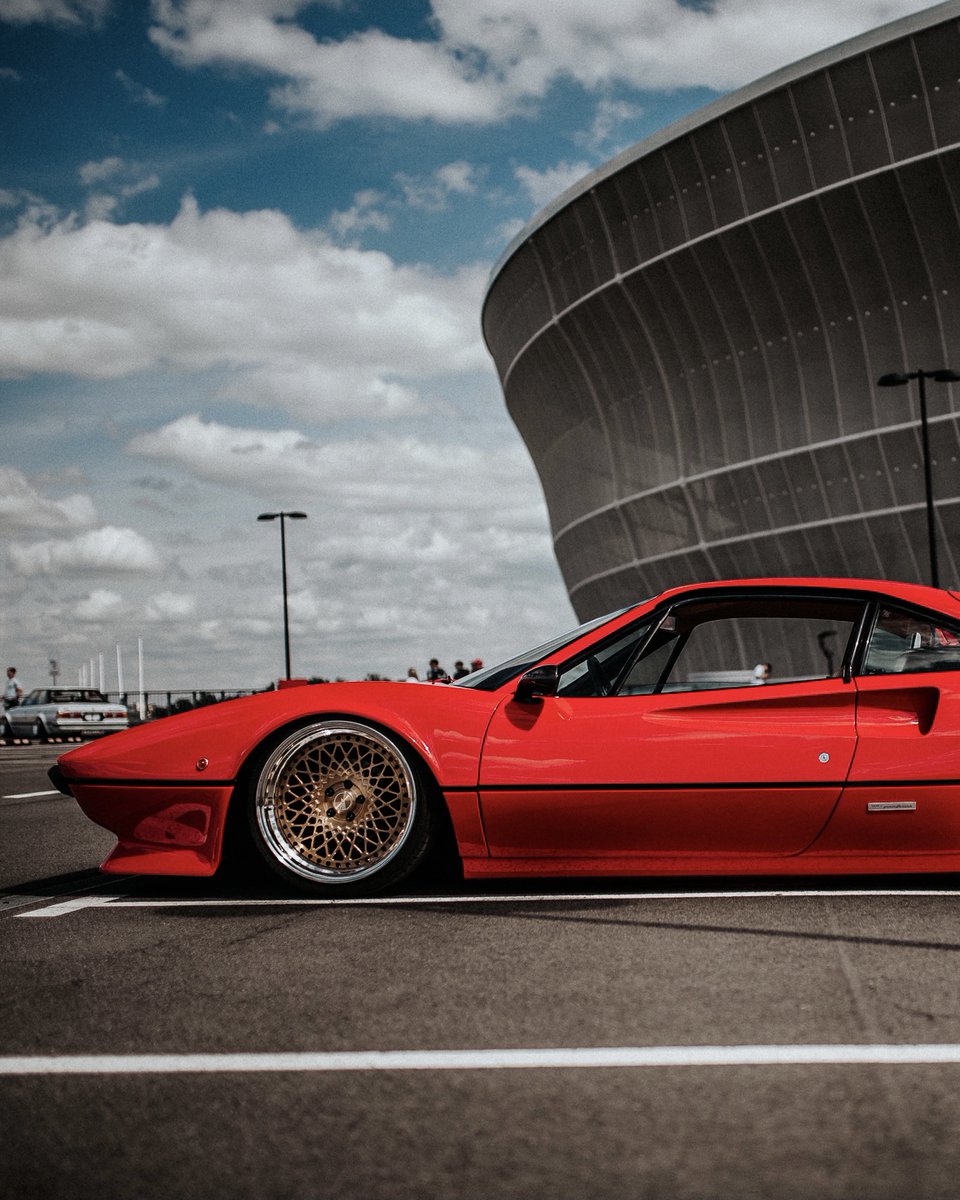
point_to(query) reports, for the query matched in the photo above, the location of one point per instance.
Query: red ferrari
(774, 726)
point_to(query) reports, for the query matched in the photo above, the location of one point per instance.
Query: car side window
(713, 644)
(598, 673)
(756, 642)
(904, 641)
(646, 672)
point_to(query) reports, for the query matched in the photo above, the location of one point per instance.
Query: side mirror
(537, 683)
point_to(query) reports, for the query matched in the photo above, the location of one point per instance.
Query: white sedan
(62, 713)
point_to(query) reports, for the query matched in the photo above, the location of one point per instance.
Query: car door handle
(899, 708)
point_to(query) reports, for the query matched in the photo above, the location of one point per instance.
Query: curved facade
(689, 340)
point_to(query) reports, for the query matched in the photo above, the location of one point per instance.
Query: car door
(685, 755)
(22, 717)
(903, 792)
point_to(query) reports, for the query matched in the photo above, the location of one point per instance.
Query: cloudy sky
(243, 249)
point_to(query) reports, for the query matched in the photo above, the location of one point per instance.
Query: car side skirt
(853, 863)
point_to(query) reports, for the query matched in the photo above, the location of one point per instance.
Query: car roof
(911, 593)
(919, 595)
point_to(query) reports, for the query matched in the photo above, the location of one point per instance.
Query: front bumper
(161, 828)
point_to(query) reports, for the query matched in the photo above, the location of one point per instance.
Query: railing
(164, 703)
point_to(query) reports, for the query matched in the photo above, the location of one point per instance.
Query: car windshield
(491, 678)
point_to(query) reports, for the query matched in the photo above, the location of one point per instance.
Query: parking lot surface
(625, 1038)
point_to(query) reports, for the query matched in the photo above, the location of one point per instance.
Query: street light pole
(944, 375)
(293, 516)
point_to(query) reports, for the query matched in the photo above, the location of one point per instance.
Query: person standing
(436, 673)
(12, 692)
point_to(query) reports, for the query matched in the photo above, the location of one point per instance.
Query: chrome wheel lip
(265, 806)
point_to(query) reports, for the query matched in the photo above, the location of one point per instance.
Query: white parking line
(64, 907)
(56, 904)
(81, 902)
(29, 795)
(925, 1054)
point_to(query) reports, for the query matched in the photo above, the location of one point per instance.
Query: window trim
(868, 602)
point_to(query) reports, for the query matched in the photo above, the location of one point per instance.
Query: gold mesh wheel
(335, 802)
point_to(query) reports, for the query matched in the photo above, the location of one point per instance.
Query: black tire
(38, 732)
(339, 808)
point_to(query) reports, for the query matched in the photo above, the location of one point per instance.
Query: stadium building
(689, 340)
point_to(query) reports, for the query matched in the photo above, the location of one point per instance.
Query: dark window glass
(599, 673)
(744, 650)
(903, 641)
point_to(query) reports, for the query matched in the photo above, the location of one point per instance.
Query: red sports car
(774, 726)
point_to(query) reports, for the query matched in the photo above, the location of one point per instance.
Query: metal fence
(155, 704)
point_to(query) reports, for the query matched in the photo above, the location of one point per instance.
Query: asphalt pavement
(696, 1038)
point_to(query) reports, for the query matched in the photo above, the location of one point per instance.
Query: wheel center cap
(342, 797)
(344, 802)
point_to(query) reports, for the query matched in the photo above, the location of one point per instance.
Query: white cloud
(411, 547)
(371, 477)
(53, 12)
(101, 550)
(99, 604)
(126, 180)
(507, 231)
(170, 606)
(320, 328)
(370, 73)
(489, 58)
(23, 507)
(145, 183)
(433, 192)
(458, 177)
(365, 213)
(608, 116)
(97, 172)
(303, 605)
(138, 93)
(544, 186)
(130, 178)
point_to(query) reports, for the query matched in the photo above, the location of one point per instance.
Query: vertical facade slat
(690, 345)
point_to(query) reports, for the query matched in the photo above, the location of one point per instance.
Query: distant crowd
(436, 673)
(12, 693)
